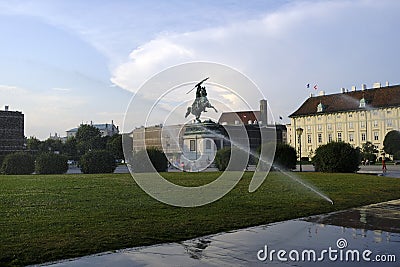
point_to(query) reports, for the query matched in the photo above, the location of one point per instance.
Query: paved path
(375, 228)
(392, 170)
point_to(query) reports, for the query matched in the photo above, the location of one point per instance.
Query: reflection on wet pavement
(382, 216)
(375, 228)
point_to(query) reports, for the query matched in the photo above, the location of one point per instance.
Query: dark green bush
(391, 143)
(336, 157)
(239, 162)
(18, 163)
(222, 158)
(97, 161)
(285, 156)
(50, 163)
(158, 160)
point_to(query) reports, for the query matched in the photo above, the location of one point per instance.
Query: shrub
(223, 158)
(285, 156)
(336, 157)
(369, 156)
(97, 161)
(50, 163)
(18, 163)
(391, 143)
(157, 158)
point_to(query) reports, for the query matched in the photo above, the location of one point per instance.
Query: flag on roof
(315, 87)
(308, 85)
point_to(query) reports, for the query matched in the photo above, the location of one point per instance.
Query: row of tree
(87, 138)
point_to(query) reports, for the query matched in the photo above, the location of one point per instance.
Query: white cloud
(332, 43)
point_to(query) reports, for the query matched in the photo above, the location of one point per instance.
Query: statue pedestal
(200, 144)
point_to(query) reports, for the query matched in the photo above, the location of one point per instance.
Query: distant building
(254, 122)
(355, 117)
(11, 131)
(106, 129)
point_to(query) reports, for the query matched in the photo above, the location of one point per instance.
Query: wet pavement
(369, 233)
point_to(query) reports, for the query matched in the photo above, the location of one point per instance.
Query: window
(350, 115)
(351, 137)
(375, 113)
(308, 119)
(375, 123)
(319, 127)
(389, 112)
(319, 138)
(309, 128)
(329, 126)
(339, 137)
(363, 137)
(309, 138)
(362, 124)
(376, 136)
(362, 114)
(338, 116)
(320, 107)
(192, 145)
(350, 125)
(330, 137)
(362, 103)
(208, 144)
(339, 126)
(389, 123)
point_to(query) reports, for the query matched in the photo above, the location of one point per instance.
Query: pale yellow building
(354, 116)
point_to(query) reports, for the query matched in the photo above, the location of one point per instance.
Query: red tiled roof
(244, 116)
(375, 98)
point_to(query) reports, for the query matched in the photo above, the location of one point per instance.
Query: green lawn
(51, 217)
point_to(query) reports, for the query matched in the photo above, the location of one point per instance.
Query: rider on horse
(200, 103)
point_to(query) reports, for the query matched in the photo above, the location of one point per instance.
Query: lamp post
(299, 132)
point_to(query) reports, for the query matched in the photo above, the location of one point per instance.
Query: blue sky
(67, 62)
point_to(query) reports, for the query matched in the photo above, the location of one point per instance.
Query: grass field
(50, 217)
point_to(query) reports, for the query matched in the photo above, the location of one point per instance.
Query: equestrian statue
(200, 103)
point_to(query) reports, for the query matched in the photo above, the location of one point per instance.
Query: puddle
(375, 228)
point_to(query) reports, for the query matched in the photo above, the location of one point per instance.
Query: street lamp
(299, 132)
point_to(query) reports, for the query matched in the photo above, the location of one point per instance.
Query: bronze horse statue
(200, 103)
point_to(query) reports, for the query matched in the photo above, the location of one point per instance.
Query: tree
(97, 161)
(239, 161)
(50, 163)
(70, 148)
(391, 143)
(158, 160)
(368, 151)
(18, 163)
(222, 158)
(51, 145)
(33, 144)
(285, 155)
(336, 157)
(114, 145)
(88, 138)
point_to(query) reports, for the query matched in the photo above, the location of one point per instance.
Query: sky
(63, 63)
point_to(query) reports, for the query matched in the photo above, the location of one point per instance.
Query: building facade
(355, 117)
(11, 131)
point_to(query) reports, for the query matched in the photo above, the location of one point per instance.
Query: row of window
(389, 123)
(374, 113)
(340, 138)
